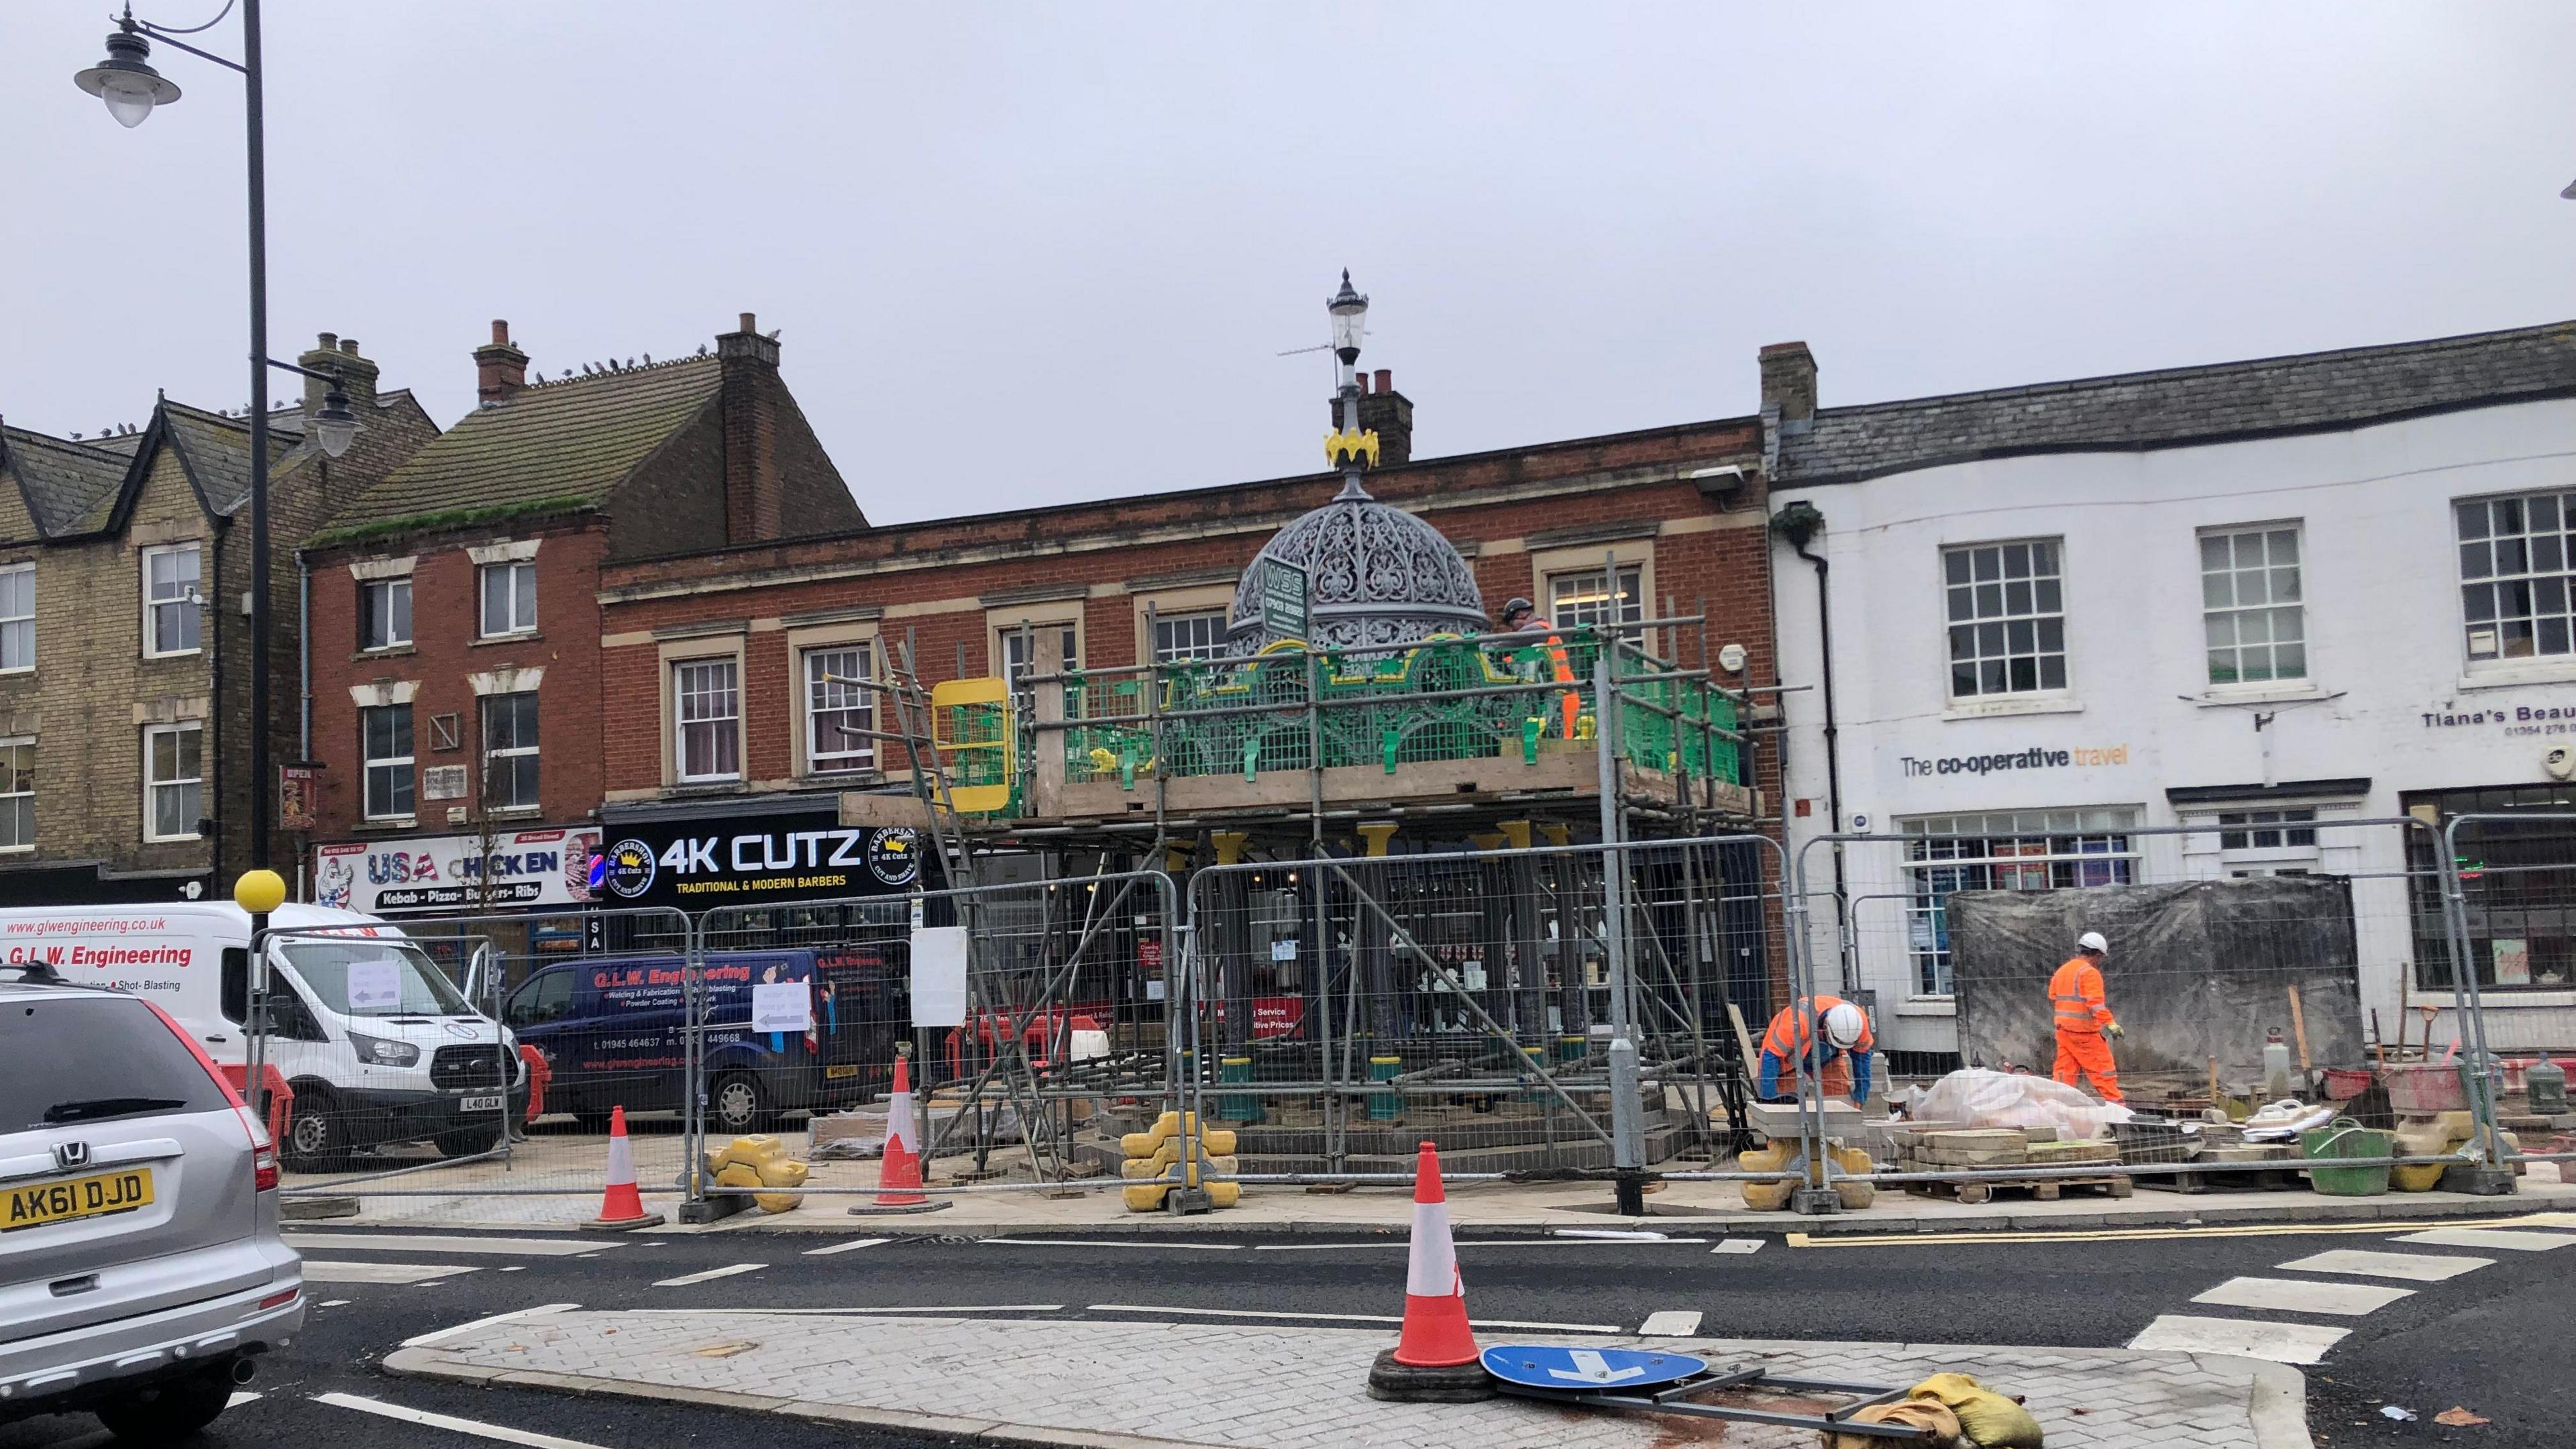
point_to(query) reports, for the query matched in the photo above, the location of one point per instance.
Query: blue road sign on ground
(1557, 1366)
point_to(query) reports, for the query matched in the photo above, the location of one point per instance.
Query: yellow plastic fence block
(1144, 1197)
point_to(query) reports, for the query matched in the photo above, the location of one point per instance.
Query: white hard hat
(1844, 1024)
(2092, 941)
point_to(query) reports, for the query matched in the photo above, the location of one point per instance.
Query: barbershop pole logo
(625, 868)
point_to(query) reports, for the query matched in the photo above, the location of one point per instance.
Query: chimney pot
(500, 369)
(1360, 381)
(328, 342)
(1385, 379)
(749, 323)
(500, 332)
(349, 346)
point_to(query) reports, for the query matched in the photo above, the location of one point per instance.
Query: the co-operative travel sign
(698, 865)
(1586, 1370)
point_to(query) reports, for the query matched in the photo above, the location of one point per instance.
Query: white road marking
(450, 1423)
(1632, 1235)
(1738, 1245)
(2294, 1343)
(444, 1334)
(1670, 1323)
(943, 1311)
(2519, 1241)
(1344, 1317)
(331, 1302)
(2303, 1295)
(710, 1275)
(455, 1243)
(1470, 1243)
(851, 1246)
(2412, 1267)
(241, 1397)
(514, 1268)
(316, 1271)
(1110, 1243)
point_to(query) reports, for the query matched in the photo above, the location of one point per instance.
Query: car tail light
(279, 1300)
(263, 1162)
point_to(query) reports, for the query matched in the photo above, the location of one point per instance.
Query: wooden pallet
(2194, 1180)
(1970, 1194)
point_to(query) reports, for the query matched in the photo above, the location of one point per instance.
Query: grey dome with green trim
(1376, 575)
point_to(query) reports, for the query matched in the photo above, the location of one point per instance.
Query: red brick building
(457, 705)
(721, 658)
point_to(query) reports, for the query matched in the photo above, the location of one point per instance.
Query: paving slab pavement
(544, 1187)
(1073, 1382)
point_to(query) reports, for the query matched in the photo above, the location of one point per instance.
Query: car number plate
(479, 1104)
(846, 1069)
(81, 1197)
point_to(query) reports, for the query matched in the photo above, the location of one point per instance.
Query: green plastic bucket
(2344, 1137)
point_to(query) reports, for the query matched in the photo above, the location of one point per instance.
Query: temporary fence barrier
(2258, 953)
(1353, 1007)
(421, 1048)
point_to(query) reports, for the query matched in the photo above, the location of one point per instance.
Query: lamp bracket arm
(166, 38)
(333, 376)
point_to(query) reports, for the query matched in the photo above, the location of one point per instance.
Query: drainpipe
(1797, 523)
(214, 728)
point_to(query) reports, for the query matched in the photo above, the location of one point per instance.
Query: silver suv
(140, 1266)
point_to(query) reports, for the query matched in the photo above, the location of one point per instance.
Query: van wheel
(171, 1411)
(737, 1105)
(317, 1134)
(468, 1141)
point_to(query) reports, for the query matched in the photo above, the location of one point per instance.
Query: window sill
(725, 785)
(172, 839)
(864, 775)
(2301, 691)
(486, 641)
(2004, 706)
(21, 669)
(150, 658)
(389, 823)
(2508, 676)
(390, 651)
(1928, 1006)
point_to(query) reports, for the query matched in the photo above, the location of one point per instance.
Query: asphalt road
(2493, 1340)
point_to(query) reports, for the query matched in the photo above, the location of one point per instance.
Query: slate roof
(2310, 392)
(567, 441)
(217, 450)
(60, 480)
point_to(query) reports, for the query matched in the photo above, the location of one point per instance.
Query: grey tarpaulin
(2196, 970)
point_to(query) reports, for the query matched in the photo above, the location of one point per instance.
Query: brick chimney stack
(500, 369)
(334, 353)
(1388, 412)
(748, 395)
(1789, 381)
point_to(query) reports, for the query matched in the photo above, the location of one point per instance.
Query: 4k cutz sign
(696, 865)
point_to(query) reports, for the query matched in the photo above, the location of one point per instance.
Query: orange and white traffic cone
(899, 1175)
(1435, 1357)
(621, 1207)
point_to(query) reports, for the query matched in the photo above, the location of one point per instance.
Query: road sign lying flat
(1555, 1366)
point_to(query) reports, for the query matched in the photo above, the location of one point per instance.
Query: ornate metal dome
(1377, 575)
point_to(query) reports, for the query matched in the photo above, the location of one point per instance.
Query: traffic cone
(622, 1207)
(899, 1176)
(1434, 1359)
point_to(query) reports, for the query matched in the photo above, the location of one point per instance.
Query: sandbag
(1929, 1414)
(1986, 1418)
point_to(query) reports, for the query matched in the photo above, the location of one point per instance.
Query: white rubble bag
(1983, 1098)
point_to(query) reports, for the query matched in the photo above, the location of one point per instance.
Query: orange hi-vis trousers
(2086, 1054)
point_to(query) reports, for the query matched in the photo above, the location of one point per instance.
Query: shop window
(2028, 850)
(2252, 608)
(2517, 556)
(2267, 842)
(2007, 612)
(2517, 886)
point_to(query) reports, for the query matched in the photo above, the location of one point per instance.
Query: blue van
(610, 1030)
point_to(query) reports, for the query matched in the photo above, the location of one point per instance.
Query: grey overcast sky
(1029, 254)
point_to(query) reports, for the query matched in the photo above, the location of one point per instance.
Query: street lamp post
(132, 89)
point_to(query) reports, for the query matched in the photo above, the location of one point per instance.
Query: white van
(378, 1045)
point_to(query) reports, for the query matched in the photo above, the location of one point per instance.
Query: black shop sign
(698, 865)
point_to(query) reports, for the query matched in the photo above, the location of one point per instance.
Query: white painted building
(2260, 598)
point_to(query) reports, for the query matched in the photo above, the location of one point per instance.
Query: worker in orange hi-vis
(2084, 1018)
(1517, 617)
